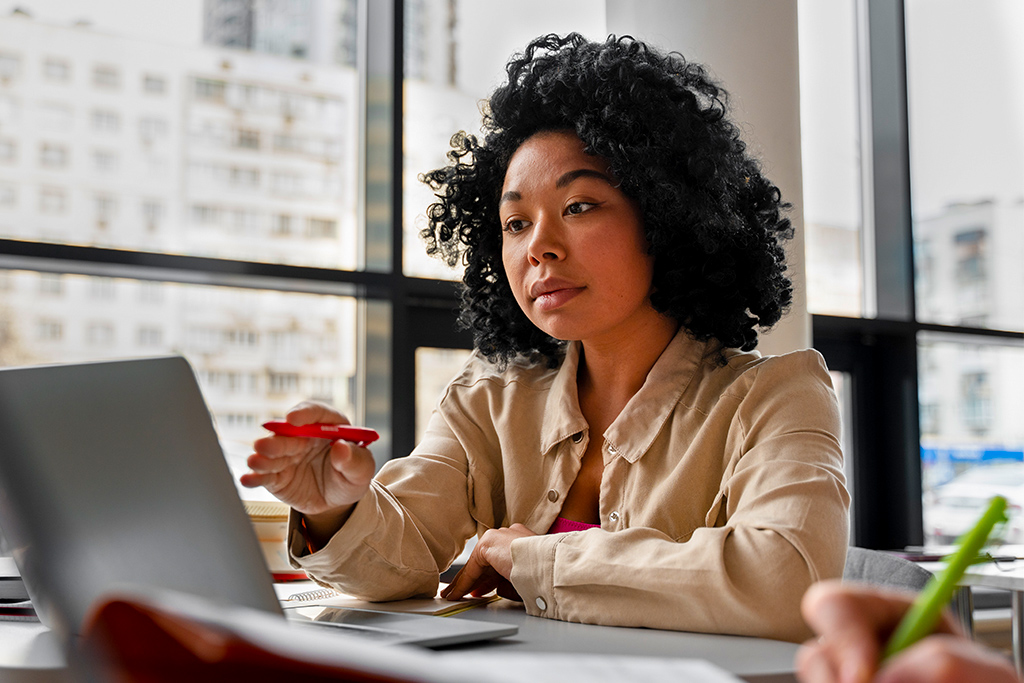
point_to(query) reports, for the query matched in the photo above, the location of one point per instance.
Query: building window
(104, 160)
(154, 85)
(152, 128)
(247, 139)
(322, 227)
(99, 334)
(283, 382)
(105, 121)
(210, 90)
(105, 76)
(970, 256)
(152, 213)
(203, 214)
(53, 155)
(49, 330)
(8, 151)
(53, 200)
(103, 288)
(244, 177)
(51, 284)
(8, 195)
(106, 208)
(56, 117)
(56, 69)
(280, 224)
(10, 65)
(149, 335)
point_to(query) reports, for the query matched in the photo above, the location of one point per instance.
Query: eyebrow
(563, 180)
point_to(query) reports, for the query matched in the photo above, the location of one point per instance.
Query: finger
(813, 665)
(354, 463)
(252, 480)
(947, 659)
(263, 465)
(310, 412)
(852, 624)
(464, 580)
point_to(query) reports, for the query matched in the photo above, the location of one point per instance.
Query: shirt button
(541, 605)
(613, 515)
(612, 449)
(577, 437)
(552, 495)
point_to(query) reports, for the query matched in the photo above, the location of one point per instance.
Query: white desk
(29, 653)
(1007, 576)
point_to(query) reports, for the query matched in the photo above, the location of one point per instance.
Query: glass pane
(972, 436)
(831, 143)
(216, 128)
(454, 57)
(967, 160)
(435, 368)
(256, 353)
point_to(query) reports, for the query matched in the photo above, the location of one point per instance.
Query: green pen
(923, 615)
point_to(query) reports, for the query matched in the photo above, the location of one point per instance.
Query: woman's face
(573, 245)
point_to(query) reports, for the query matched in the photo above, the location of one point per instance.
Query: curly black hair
(713, 221)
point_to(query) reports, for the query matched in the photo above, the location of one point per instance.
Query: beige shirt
(722, 497)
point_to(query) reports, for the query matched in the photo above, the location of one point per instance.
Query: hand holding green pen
(923, 615)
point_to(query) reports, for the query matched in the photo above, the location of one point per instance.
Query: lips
(550, 285)
(553, 293)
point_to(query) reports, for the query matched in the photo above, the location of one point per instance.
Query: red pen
(361, 436)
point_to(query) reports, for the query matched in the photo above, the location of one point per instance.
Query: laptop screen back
(111, 475)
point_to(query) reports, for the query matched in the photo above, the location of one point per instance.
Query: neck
(611, 371)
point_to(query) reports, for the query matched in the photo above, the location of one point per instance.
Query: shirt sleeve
(404, 532)
(778, 524)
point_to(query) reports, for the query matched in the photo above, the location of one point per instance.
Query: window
(8, 195)
(51, 284)
(247, 139)
(8, 151)
(58, 70)
(283, 382)
(103, 288)
(105, 76)
(104, 160)
(154, 85)
(55, 117)
(10, 66)
(53, 155)
(106, 207)
(149, 335)
(152, 213)
(53, 200)
(99, 334)
(322, 228)
(210, 90)
(105, 121)
(152, 128)
(49, 330)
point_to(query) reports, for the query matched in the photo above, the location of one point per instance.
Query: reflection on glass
(232, 134)
(256, 353)
(435, 368)
(972, 436)
(831, 140)
(455, 52)
(967, 161)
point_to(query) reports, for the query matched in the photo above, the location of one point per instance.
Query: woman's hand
(320, 479)
(489, 566)
(855, 622)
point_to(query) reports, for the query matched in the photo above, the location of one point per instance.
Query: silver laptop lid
(111, 474)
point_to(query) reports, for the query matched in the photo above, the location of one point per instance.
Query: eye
(513, 225)
(579, 207)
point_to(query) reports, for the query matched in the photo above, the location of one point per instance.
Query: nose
(546, 242)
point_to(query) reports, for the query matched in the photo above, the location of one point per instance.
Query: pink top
(562, 525)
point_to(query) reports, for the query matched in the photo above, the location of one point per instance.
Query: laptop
(112, 477)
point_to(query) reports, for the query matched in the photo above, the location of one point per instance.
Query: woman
(623, 454)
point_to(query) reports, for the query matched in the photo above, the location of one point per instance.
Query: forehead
(545, 156)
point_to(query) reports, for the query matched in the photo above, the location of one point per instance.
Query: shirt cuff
(533, 572)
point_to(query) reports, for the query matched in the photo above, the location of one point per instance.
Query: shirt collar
(640, 422)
